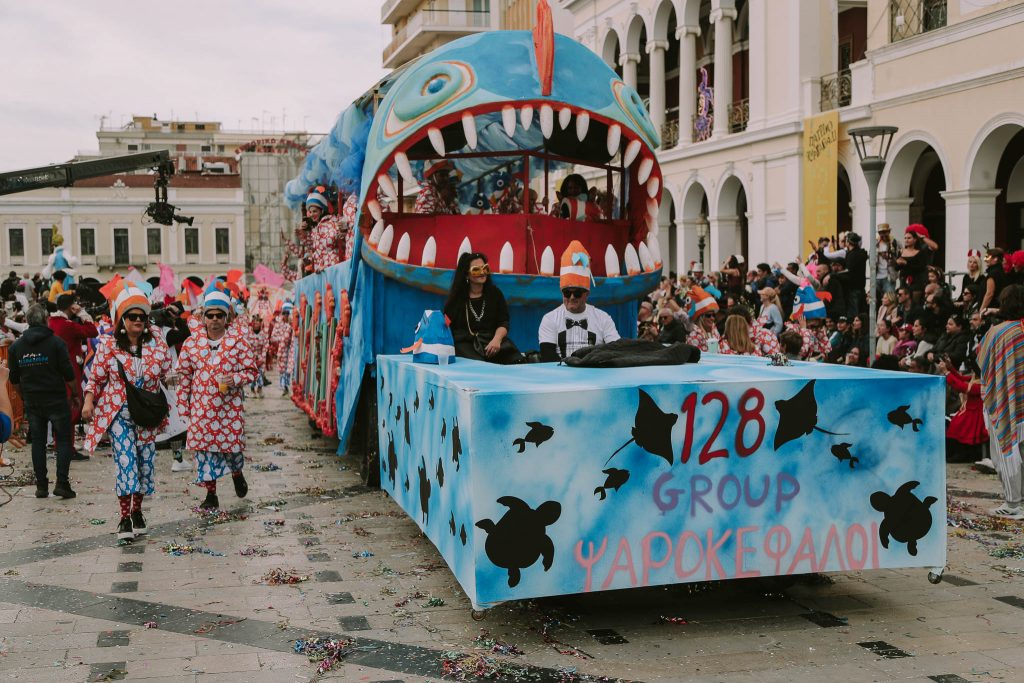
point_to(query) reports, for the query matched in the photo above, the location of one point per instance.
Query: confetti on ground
(314, 491)
(257, 551)
(208, 627)
(360, 531)
(219, 516)
(273, 522)
(486, 641)
(277, 502)
(271, 441)
(178, 549)
(326, 652)
(462, 666)
(383, 570)
(259, 467)
(313, 465)
(679, 621)
(362, 554)
(282, 577)
(97, 522)
(1010, 551)
(150, 624)
(958, 516)
(1009, 571)
(11, 572)
(388, 590)
(434, 602)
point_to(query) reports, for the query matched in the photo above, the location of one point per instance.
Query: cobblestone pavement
(74, 606)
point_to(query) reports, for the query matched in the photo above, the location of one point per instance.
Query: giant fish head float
(530, 101)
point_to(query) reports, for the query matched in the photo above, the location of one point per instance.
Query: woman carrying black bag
(478, 314)
(135, 355)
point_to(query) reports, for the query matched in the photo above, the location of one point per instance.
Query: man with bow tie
(575, 324)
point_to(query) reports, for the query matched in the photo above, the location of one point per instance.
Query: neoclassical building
(732, 82)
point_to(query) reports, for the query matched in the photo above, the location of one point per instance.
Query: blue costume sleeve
(5, 427)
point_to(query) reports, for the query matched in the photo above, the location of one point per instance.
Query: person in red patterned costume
(349, 211)
(215, 364)
(260, 341)
(702, 312)
(326, 236)
(282, 339)
(437, 193)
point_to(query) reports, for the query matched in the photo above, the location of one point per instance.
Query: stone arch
(730, 230)
(637, 26)
(689, 13)
(669, 234)
(611, 48)
(662, 16)
(696, 201)
(987, 150)
(896, 179)
(914, 186)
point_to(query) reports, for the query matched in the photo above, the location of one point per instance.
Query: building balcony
(909, 18)
(836, 90)
(670, 129)
(392, 10)
(428, 25)
(739, 115)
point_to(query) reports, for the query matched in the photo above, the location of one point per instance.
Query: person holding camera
(136, 353)
(75, 327)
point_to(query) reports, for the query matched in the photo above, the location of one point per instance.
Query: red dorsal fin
(544, 47)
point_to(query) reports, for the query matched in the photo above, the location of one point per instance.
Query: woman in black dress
(914, 260)
(478, 314)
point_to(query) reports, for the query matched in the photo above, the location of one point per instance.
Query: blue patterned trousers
(133, 460)
(213, 465)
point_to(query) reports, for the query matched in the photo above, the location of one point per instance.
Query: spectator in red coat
(75, 327)
(966, 433)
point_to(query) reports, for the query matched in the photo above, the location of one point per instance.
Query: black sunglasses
(135, 317)
(215, 316)
(570, 292)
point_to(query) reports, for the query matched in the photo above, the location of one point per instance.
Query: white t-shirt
(570, 332)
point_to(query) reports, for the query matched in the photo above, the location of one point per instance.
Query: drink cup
(222, 384)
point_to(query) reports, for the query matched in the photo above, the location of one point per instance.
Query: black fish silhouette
(424, 489)
(538, 434)
(382, 382)
(407, 482)
(520, 537)
(901, 418)
(907, 519)
(462, 535)
(440, 473)
(616, 478)
(392, 459)
(407, 440)
(416, 403)
(842, 452)
(383, 424)
(444, 429)
(652, 429)
(456, 442)
(451, 524)
(798, 416)
(398, 413)
(430, 401)
(391, 401)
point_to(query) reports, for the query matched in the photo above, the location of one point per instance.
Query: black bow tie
(570, 323)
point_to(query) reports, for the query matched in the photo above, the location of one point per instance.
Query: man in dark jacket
(672, 331)
(41, 369)
(75, 328)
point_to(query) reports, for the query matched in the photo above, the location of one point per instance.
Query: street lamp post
(702, 234)
(872, 163)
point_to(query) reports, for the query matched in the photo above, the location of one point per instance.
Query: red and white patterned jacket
(815, 342)
(259, 342)
(326, 243)
(281, 337)
(429, 201)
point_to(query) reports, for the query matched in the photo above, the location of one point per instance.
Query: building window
(46, 238)
(153, 241)
(87, 241)
(200, 126)
(16, 241)
(121, 247)
(205, 148)
(133, 148)
(180, 127)
(223, 237)
(192, 241)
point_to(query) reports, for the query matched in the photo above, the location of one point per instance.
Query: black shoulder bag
(147, 408)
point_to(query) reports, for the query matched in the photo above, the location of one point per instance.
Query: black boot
(124, 529)
(241, 487)
(42, 489)
(138, 523)
(211, 502)
(63, 489)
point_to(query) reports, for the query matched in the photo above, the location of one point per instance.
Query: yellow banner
(821, 175)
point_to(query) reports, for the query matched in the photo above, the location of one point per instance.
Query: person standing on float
(215, 364)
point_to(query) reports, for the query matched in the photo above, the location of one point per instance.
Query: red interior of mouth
(528, 235)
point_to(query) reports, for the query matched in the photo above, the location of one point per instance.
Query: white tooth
(469, 128)
(429, 253)
(655, 249)
(564, 117)
(505, 261)
(614, 136)
(632, 260)
(646, 260)
(526, 117)
(388, 186)
(374, 208)
(653, 185)
(632, 149)
(643, 171)
(547, 262)
(652, 207)
(436, 139)
(611, 262)
(386, 238)
(508, 120)
(464, 248)
(404, 245)
(375, 234)
(405, 168)
(582, 125)
(547, 120)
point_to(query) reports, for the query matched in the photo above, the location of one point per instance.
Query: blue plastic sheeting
(725, 471)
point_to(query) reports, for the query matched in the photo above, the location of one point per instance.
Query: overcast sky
(65, 63)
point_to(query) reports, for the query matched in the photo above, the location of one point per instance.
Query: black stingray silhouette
(615, 479)
(440, 473)
(406, 482)
(451, 523)
(520, 536)
(444, 429)
(456, 442)
(538, 434)
(430, 401)
(901, 418)
(652, 429)
(462, 535)
(907, 518)
(424, 490)
(798, 416)
(392, 459)
(407, 440)
(416, 403)
(842, 452)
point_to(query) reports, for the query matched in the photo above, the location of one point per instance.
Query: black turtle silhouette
(430, 401)
(392, 459)
(424, 489)
(615, 479)
(440, 473)
(520, 536)
(462, 535)
(842, 452)
(901, 418)
(798, 416)
(538, 434)
(907, 519)
(652, 429)
(451, 523)
(407, 440)
(456, 442)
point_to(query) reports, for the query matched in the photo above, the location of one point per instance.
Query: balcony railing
(739, 114)
(701, 127)
(670, 129)
(911, 17)
(836, 90)
(433, 19)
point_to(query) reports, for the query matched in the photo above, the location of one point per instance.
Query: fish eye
(425, 91)
(631, 104)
